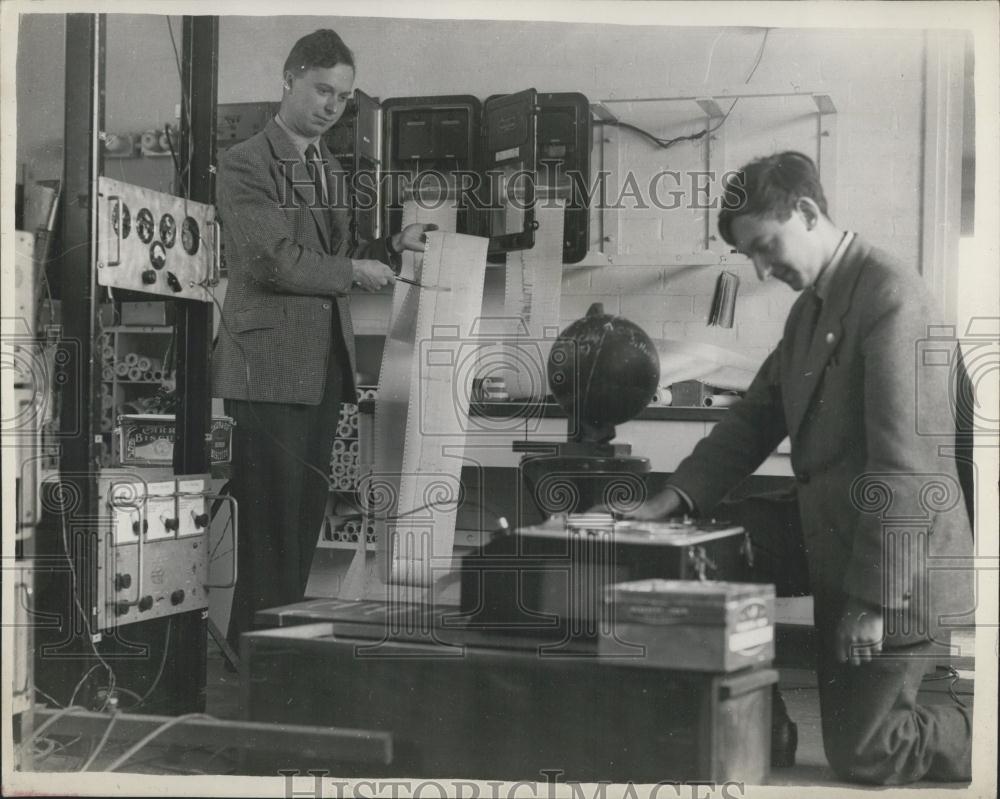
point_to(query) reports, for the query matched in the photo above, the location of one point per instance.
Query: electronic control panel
(153, 548)
(155, 243)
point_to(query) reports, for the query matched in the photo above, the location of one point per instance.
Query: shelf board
(349, 545)
(820, 97)
(595, 258)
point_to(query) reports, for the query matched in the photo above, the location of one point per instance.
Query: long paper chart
(531, 304)
(421, 412)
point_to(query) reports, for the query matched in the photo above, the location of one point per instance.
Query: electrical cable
(66, 711)
(186, 110)
(711, 56)
(53, 747)
(42, 753)
(129, 692)
(163, 662)
(170, 146)
(83, 680)
(155, 734)
(952, 676)
(100, 744)
(86, 620)
(46, 696)
(222, 537)
(665, 143)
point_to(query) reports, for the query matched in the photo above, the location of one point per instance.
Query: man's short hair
(769, 187)
(322, 48)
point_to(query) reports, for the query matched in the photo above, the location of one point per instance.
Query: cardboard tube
(721, 400)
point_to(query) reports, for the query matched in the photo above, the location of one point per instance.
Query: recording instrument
(153, 547)
(156, 243)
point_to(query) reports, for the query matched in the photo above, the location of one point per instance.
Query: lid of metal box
(671, 532)
(163, 418)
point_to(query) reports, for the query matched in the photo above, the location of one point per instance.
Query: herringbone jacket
(290, 274)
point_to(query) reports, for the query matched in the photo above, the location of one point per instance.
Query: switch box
(152, 546)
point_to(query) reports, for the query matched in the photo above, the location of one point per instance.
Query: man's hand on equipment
(859, 633)
(372, 275)
(667, 503)
(412, 237)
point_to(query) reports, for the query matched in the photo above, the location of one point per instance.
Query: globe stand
(585, 471)
(602, 370)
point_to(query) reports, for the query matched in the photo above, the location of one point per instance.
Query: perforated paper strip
(531, 303)
(421, 413)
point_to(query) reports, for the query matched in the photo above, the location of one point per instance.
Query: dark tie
(315, 167)
(805, 331)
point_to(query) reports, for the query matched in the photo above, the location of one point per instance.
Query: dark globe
(603, 370)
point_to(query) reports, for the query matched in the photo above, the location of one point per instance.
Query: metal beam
(200, 52)
(80, 424)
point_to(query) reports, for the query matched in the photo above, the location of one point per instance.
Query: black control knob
(146, 603)
(122, 581)
(171, 525)
(173, 282)
(149, 276)
(121, 608)
(177, 597)
(145, 526)
(201, 520)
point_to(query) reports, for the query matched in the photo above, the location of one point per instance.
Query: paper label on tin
(504, 155)
(752, 628)
(749, 642)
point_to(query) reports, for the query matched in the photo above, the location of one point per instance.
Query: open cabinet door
(356, 142)
(510, 160)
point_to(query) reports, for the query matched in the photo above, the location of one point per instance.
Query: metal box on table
(553, 575)
(687, 624)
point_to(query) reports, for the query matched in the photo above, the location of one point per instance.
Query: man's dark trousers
(281, 501)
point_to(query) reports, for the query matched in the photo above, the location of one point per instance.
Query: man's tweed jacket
(289, 266)
(867, 413)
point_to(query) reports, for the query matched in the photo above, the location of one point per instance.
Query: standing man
(285, 360)
(843, 386)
